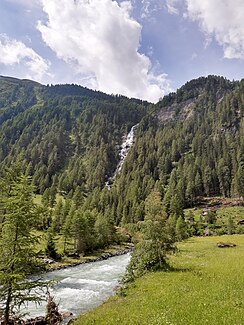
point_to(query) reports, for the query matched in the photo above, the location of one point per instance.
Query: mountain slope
(67, 134)
(190, 144)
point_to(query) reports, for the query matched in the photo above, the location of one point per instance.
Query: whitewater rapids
(83, 287)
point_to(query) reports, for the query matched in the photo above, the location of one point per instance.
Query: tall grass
(205, 286)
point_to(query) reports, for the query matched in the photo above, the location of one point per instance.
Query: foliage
(225, 221)
(181, 229)
(18, 257)
(189, 145)
(67, 134)
(155, 242)
(50, 247)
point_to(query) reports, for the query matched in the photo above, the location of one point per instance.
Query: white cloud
(13, 52)
(223, 20)
(100, 41)
(171, 7)
(148, 8)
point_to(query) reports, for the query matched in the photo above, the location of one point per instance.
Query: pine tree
(103, 230)
(156, 240)
(68, 227)
(240, 180)
(57, 216)
(18, 257)
(50, 248)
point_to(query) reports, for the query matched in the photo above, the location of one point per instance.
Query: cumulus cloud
(100, 41)
(13, 52)
(223, 20)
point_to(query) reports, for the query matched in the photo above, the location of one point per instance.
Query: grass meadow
(206, 286)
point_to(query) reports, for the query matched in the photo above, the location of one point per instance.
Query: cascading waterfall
(125, 147)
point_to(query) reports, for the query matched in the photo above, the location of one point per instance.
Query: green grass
(236, 212)
(42, 241)
(206, 287)
(223, 213)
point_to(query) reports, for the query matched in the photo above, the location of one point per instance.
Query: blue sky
(142, 49)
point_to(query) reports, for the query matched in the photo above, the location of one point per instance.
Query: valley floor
(204, 287)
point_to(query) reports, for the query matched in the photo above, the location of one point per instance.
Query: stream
(83, 287)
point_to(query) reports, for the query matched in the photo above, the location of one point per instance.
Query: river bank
(204, 286)
(78, 289)
(112, 251)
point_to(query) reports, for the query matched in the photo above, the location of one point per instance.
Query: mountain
(190, 144)
(67, 134)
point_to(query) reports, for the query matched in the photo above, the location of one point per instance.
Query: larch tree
(18, 257)
(155, 241)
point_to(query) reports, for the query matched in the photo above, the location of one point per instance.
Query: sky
(143, 49)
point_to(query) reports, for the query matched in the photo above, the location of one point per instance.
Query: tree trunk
(7, 306)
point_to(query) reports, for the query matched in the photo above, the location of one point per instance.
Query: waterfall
(124, 149)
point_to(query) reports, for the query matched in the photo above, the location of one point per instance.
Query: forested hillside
(67, 135)
(189, 145)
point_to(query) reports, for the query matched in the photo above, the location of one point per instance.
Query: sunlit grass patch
(204, 287)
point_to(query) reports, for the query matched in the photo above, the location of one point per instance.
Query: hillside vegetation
(59, 151)
(67, 138)
(205, 286)
(191, 146)
(68, 135)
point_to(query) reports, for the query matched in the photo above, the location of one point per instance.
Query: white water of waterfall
(124, 149)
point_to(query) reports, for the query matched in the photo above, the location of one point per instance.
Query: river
(83, 287)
